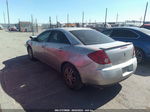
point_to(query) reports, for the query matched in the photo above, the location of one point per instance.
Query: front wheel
(30, 53)
(72, 77)
(139, 55)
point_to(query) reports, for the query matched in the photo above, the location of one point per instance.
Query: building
(25, 26)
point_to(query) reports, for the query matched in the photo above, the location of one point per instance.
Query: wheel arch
(28, 46)
(67, 62)
(79, 75)
(64, 63)
(140, 49)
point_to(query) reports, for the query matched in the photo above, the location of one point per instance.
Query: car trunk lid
(118, 52)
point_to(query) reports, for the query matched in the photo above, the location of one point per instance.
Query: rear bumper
(93, 74)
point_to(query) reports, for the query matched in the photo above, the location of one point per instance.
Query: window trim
(69, 43)
(42, 34)
(138, 36)
(111, 30)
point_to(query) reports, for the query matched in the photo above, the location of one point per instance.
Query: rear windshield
(89, 37)
(146, 31)
(147, 27)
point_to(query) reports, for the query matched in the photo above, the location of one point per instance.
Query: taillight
(99, 57)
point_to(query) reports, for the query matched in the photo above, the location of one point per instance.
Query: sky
(94, 10)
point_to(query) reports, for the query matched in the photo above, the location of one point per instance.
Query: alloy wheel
(139, 55)
(69, 76)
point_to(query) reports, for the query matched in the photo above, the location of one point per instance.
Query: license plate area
(127, 69)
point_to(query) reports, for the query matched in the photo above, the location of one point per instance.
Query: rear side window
(107, 32)
(89, 37)
(123, 34)
(58, 37)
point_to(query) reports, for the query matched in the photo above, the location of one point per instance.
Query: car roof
(131, 28)
(70, 29)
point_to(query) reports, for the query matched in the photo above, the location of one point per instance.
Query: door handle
(61, 48)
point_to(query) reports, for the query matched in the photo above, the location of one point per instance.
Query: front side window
(89, 37)
(123, 34)
(43, 37)
(58, 37)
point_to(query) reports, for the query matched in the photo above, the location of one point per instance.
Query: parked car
(140, 37)
(84, 56)
(1, 27)
(13, 28)
(147, 26)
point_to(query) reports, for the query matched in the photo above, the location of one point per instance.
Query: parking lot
(34, 85)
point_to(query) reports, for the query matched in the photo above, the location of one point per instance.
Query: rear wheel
(139, 55)
(72, 77)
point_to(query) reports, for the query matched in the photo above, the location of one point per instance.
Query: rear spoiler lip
(115, 47)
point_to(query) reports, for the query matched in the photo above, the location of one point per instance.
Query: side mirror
(31, 37)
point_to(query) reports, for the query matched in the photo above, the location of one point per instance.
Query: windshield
(89, 37)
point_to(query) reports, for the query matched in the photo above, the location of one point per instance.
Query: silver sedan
(84, 56)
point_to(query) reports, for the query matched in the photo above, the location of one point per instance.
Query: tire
(30, 53)
(72, 77)
(139, 55)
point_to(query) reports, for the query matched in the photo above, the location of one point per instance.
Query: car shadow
(35, 85)
(143, 69)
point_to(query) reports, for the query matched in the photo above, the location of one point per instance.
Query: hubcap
(69, 76)
(139, 55)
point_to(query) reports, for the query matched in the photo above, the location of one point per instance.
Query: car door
(56, 48)
(124, 35)
(39, 44)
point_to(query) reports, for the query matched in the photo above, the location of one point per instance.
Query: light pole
(105, 17)
(145, 13)
(50, 22)
(8, 13)
(117, 18)
(36, 25)
(82, 19)
(32, 25)
(56, 21)
(67, 20)
(4, 18)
